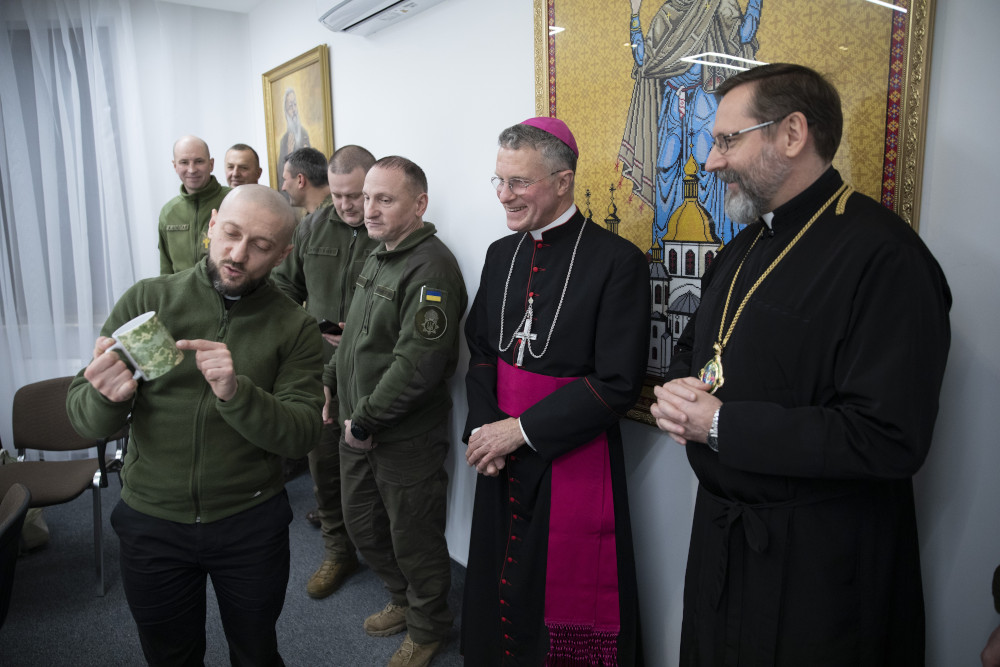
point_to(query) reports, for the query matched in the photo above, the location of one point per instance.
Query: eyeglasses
(518, 185)
(721, 141)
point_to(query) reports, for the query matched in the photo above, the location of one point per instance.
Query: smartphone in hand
(328, 327)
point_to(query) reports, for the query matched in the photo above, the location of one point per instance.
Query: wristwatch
(713, 433)
(359, 432)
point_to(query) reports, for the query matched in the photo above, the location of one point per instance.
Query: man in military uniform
(183, 227)
(330, 247)
(399, 348)
(242, 165)
(304, 180)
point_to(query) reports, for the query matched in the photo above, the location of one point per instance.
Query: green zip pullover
(324, 265)
(192, 457)
(183, 226)
(401, 346)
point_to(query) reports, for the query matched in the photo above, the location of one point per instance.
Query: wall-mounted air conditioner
(363, 17)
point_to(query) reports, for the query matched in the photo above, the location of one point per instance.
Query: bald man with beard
(184, 219)
(202, 485)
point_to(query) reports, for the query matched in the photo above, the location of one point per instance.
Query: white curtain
(71, 145)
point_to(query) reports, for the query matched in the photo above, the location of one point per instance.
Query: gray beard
(757, 186)
(743, 207)
(294, 129)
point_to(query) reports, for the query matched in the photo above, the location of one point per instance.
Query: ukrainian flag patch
(431, 295)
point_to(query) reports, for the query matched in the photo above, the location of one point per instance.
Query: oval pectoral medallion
(711, 372)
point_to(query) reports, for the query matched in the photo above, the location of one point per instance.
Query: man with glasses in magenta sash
(557, 336)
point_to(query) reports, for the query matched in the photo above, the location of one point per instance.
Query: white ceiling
(239, 6)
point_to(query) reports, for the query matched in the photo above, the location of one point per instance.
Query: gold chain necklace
(711, 373)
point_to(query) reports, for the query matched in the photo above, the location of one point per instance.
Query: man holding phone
(328, 327)
(330, 247)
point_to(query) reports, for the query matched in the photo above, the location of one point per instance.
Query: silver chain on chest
(525, 323)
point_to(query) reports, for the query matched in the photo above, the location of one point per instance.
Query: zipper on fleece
(204, 405)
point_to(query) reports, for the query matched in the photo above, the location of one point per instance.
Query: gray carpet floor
(57, 619)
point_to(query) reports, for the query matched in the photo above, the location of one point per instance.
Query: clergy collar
(768, 218)
(537, 233)
(797, 210)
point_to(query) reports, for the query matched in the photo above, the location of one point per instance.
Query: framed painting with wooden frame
(634, 80)
(299, 92)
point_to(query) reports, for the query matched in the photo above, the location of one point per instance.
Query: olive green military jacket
(324, 265)
(401, 342)
(183, 227)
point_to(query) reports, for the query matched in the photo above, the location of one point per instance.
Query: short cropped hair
(558, 155)
(779, 89)
(414, 174)
(348, 158)
(245, 147)
(310, 162)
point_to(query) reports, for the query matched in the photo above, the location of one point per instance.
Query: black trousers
(164, 567)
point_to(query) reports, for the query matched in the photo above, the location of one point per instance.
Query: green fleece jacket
(401, 343)
(192, 457)
(183, 226)
(324, 265)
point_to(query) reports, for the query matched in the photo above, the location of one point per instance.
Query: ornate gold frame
(590, 42)
(309, 75)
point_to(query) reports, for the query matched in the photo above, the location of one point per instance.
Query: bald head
(193, 163)
(266, 201)
(249, 235)
(190, 142)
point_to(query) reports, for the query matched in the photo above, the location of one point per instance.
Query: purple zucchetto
(556, 128)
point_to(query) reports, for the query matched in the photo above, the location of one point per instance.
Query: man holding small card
(202, 482)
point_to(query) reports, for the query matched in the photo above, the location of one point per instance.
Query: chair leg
(98, 533)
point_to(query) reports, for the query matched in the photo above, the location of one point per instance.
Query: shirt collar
(537, 233)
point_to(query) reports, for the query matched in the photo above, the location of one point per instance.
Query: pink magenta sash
(581, 581)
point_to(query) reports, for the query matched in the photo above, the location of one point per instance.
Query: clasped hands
(489, 446)
(110, 376)
(684, 409)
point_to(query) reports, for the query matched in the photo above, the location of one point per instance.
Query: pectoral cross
(525, 335)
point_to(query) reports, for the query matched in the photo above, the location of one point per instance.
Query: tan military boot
(412, 654)
(330, 575)
(387, 622)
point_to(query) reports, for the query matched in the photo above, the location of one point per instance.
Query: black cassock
(804, 542)
(600, 337)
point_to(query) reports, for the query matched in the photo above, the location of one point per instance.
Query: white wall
(957, 492)
(195, 75)
(438, 88)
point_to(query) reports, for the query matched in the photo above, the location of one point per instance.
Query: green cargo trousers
(324, 466)
(395, 499)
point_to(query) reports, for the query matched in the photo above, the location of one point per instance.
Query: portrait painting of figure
(295, 135)
(635, 80)
(298, 108)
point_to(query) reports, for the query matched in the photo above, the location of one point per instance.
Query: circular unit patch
(431, 322)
